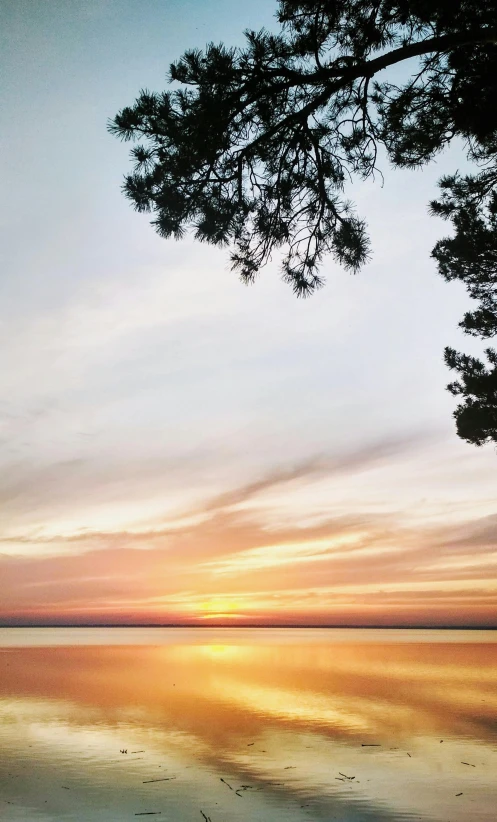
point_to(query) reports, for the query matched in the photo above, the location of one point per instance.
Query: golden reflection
(212, 690)
(221, 651)
(260, 714)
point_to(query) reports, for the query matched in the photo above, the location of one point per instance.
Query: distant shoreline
(261, 627)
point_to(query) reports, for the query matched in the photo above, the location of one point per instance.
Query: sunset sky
(178, 448)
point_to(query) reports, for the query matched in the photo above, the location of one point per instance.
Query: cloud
(353, 461)
(289, 553)
(332, 572)
(75, 483)
(480, 534)
(229, 554)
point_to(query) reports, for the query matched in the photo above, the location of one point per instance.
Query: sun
(219, 607)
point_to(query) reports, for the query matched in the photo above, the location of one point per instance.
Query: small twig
(468, 763)
(226, 783)
(165, 779)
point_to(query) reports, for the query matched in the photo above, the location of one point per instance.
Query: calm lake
(242, 725)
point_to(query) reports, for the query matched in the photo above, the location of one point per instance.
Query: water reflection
(318, 730)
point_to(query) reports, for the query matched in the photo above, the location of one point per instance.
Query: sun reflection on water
(286, 719)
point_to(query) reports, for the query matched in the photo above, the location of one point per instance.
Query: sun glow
(219, 607)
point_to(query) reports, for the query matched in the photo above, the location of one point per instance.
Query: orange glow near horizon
(219, 608)
(237, 560)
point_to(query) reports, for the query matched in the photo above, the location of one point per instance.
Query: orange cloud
(224, 562)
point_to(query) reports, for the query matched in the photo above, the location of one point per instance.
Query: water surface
(238, 724)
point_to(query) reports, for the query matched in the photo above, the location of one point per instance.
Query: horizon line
(447, 627)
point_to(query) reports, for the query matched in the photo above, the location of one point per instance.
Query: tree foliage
(252, 147)
(476, 418)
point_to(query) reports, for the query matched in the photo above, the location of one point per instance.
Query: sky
(176, 447)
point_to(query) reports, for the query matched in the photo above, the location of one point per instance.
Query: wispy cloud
(217, 560)
(289, 553)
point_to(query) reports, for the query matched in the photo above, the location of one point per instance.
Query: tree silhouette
(253, 147)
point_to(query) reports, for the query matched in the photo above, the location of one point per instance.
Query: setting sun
(218, 607)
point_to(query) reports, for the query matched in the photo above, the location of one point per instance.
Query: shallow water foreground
(241, 725)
